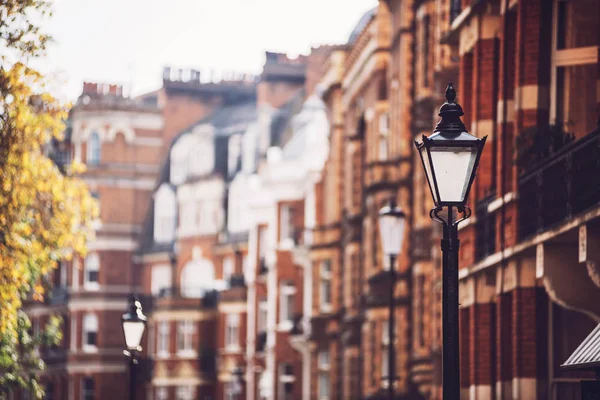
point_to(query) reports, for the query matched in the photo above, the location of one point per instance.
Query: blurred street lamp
(392, 222)
(238, 381)
(450, 157)
(134, 325)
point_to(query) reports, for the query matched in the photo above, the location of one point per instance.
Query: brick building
(245, 214)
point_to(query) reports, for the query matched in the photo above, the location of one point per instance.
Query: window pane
(576, 98)
(577, 23)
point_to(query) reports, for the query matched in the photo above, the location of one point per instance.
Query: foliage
(20, 355)
(535, 144)
(45, 215)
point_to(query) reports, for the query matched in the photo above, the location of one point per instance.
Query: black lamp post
(134, 324)
(450, 157)
(238, 380)
(391, 228)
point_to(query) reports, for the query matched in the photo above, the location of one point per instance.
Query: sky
(129, 42)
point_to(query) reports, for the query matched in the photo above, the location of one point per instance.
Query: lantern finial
(450, 93)
(451, 111)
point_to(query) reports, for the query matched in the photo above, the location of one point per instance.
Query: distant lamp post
(392, 221)
(450, 157)
(238, 381)
(134, 325)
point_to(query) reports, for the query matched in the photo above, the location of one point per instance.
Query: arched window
(90, 332)
(165, 214)
(197, 277)
(94, 149)
(91, 271)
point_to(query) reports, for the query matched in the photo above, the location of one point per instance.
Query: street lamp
(391, 229)
(238, 380)
(134, 324)
(450, 157)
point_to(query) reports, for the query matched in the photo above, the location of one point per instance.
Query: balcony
(199, 298)
(561, 186)
(57, 296)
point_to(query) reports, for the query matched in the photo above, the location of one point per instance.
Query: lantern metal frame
(450, 132)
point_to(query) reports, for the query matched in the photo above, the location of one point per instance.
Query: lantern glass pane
(133, 331)
(427, 165)
(453, 168)
(391, 230)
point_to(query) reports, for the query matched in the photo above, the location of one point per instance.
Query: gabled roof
(587, 354)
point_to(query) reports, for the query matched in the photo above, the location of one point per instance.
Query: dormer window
(94, 149)
(165, 218)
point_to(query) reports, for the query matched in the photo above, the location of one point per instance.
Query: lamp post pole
(450, 345)
(391, 325)
(132, 373)
(450, 158)
(392, 221)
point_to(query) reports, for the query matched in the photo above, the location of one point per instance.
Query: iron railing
(560, 187)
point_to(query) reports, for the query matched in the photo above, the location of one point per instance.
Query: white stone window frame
(383, 147)
(232, 332)
(286, 315)
(325, 281)
(566, 58)
(165, 214)
(91, 265)
(324, 371)
(185, 339)
(163, 333)
(89, 325)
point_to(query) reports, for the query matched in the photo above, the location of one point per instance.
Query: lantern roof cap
(450, 125)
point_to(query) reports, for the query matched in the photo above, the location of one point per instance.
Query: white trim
(498, 202)
(126, 130)
(94, 368)
(149, 141)
(122, 183)
(177, 381)
(122, 244)
(93, 304)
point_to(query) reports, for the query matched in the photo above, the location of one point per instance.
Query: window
(165, 218)
(574, 65)
(162, 393)
(285, 223)
(49, 391)
(262, 316)
(87, 389)
(196, 278)
(75, 283)
(185, 393)
(160, 279)
(234, 156)
(231, 391)
(93, 149)
(286, 381)
(92, 268)
(185, 332)
(325, 285)
(324, 377)
(232, 331)
(228, 267)
(179, 161)
(162, 344)
(90, 332)
(383, 136)
(286, 306)
(62, 274)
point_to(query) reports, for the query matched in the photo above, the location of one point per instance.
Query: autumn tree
(45, 214)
